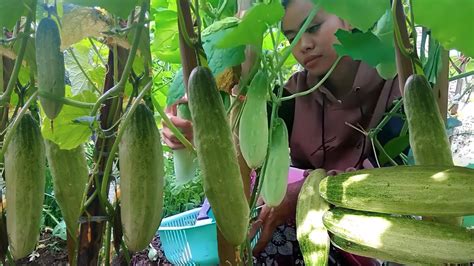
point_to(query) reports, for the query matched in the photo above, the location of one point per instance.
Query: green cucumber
(217, 157)
(141, 179)
(312, 236)
(410, 190)
(25, 181)
(275, 179)
(253, 129)
(70, 175)
(50, 64)
(404, 239)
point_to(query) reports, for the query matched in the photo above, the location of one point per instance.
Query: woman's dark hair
(285, 3)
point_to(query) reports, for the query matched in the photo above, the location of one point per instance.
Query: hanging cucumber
(275, 180)
(50, 64)
(185, 161)
(141, 179)
(25, 181)
(217, 157)
(70, 174)
(253, 129)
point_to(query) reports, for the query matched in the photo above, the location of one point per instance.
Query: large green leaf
(393, 148)
(363, 46)
(252, 26)
(10, 12)
(451, 22)
(361, 14)
(65, 132)
(120, 8)
(166, 42)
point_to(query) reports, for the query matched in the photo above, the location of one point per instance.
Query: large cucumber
(185, 162)
(25, 180)
(275, 181)
(411, 190)
(404, 239)
(50, 63)
(253, 129)
(70, 174)
(217, 157)
(428, 138)
(141, 179)
(312, 236)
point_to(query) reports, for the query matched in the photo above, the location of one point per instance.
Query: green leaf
(361, 14)
(166, 42)
(453, 32)
(220, 59)
(393, 148)
(252, 26)
(94, 69)
(120, 8)
(10, 12)
(384, 31)
(65, 132)
(364, 46)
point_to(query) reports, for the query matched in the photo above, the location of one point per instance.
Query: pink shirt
(321, 118)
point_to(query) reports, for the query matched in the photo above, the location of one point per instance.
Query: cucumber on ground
(217, 157)
(312, 236)
(141, 179)
(50, 65)
(410, 190)
(404, 239)
(25, 181)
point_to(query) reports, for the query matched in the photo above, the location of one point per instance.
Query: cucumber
(50, 65)
(428, 138)
(25, 182)
(253, 129)
(141, 179)
(275, 180)
(70, 175)
(312, 236)
(410, 190)
(217, 157)
(404, 239)
(185, 162)
(427, 134)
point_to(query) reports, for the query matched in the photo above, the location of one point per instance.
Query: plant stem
(96, 50)
(303, 93)
(462, 75)
(5, 97)
(118, 88)
(64, 100)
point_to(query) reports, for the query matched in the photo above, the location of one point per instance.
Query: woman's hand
(270, 218)
(185, 126)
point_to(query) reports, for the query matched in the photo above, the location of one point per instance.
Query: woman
(322, 125)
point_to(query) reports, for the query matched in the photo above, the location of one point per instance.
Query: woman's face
(314, 51)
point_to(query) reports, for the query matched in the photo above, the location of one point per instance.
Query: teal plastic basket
(186, 243)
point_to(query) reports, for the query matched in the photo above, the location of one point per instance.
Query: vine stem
(116, 89)
(9, 135)
(306, 92)
(67, 101)
(5, 97)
